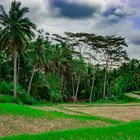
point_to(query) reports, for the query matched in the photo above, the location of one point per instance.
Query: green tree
(38, 56)
(17, 30)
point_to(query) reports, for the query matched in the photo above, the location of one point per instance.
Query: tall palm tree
(39, 59)
(17, 30)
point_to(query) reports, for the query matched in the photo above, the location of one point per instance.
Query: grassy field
(21, 122)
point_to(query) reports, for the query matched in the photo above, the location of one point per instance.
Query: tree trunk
(91, 93)
(30, 83)
(107, 92)
(61, 85)
(15, 71)
(18, 68)
(78, 83)
(104, 90)
(73, 91)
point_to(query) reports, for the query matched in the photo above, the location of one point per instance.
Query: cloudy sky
(104, 17)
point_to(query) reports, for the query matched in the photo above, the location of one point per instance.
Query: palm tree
(17, 30)
(39, 57)
(61, 58)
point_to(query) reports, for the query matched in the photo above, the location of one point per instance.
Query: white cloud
(46, 18)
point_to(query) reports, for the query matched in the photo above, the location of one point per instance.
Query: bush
(126, 98)
(6, 99)
(114, 98)
(55, 96)
(23, 96)
(42, 93)
(7, 95)
(5, 88)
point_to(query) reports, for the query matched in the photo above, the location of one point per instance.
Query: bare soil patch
(123, 113)
(11, 125)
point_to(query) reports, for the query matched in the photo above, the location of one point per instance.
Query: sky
(103, 17)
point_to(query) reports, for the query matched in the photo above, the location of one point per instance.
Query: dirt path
(48, 108)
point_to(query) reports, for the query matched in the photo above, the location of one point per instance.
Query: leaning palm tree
(17, 31)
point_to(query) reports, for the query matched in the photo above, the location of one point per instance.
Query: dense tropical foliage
(50, 67)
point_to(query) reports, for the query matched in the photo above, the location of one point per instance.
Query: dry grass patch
(11, 125)
(123, 113)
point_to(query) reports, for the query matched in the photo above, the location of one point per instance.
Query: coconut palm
(38, 56)
(17, 30)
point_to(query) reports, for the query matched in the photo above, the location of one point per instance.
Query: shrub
(126, 98)
(5, 88)
(23, 96)
(55, 96)
(114, 98)
(42, 93)
(6, 99)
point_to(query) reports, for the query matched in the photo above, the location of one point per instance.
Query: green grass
(106, 101)
(128, 131)
(6, 99)
(21, 110)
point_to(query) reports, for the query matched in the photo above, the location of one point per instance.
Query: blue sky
(104, 17)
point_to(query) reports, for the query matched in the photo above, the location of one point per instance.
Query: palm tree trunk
(15, 71)
(104, 90)
(30, 83)
(18, 68)
(61, 84)
(107, 92)
(78, 83)
(73, 91)
(91, 93)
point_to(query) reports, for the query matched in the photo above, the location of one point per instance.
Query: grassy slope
(14, 109)
(128, 131)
